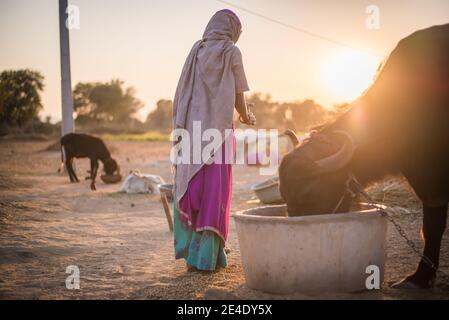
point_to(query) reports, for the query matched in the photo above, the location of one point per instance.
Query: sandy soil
(121, 242)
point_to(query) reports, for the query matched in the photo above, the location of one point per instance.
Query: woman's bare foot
(195, 269)
(190, 268)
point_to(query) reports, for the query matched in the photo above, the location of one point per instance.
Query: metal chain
(382, 209)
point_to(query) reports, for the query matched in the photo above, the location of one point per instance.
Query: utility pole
(66, 83)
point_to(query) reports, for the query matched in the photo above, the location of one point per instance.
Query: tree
(161, 117)
(307, 114)
(20, 99)
(105, 101)
(298, 116)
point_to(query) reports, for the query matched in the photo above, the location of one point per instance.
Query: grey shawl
(206, 88)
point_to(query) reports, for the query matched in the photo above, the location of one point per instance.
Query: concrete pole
(66, 84)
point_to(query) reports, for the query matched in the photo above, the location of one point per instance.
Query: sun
(348, 73)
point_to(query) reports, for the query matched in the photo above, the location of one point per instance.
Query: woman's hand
(248, 117)
(251, 119)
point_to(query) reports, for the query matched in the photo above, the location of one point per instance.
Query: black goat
(76, 145)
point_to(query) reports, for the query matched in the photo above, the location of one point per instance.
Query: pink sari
(206, 204)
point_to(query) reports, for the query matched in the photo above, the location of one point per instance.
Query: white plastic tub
(268, 191)
(310, 254)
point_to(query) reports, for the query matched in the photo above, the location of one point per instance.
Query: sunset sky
(145, 43)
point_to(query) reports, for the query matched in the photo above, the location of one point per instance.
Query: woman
(212, 83)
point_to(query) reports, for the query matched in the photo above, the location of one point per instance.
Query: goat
(77, 145)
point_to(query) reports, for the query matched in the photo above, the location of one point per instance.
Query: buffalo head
(312, 176)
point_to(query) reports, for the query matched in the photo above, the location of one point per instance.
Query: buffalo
(398, 126)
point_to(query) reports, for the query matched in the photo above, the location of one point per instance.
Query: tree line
(112, 104)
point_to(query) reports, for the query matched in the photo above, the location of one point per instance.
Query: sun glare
(348, 73)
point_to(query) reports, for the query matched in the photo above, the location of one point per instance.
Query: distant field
(147, 136)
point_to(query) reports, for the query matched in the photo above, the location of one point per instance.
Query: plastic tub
(268, 191)
(319, 253)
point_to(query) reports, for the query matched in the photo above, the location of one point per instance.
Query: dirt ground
(121, 242)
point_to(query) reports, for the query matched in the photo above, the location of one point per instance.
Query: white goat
(137, 182)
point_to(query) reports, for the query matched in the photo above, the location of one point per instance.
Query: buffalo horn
(339, 159)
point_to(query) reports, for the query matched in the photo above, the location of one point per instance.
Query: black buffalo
(400, 125)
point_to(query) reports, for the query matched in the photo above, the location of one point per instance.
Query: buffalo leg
(93, 173)
(434, 224)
